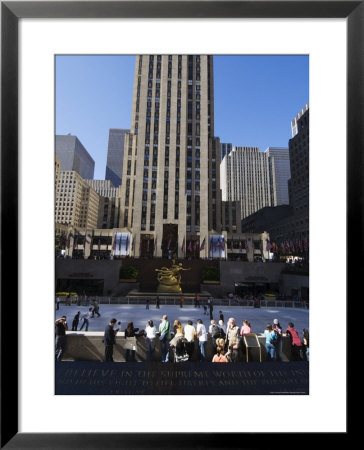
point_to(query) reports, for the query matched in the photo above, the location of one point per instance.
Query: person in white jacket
(202, 339)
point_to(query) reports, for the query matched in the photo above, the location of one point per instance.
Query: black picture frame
(11, 12)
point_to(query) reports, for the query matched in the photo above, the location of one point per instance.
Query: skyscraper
(170, 193)
(77, 203)
(225, 149)
(74, 156)
(109, 203)
(115, 156)
(299, 161)
(290, 223)
(245, 176)
(280, 173)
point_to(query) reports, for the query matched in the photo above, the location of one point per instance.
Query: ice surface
(139, 315)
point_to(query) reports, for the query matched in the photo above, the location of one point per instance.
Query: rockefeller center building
(170, 194)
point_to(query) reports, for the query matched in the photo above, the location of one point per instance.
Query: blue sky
(256, 97)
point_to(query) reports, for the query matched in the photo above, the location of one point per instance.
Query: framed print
(28, 270)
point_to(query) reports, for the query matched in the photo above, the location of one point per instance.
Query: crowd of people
(177, 342)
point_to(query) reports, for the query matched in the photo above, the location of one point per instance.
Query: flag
(268, 245)
(218, 243)
(246, 246)
(127, 243)
(240, 246)
(202, 245)
(183, 245)
(190, 246)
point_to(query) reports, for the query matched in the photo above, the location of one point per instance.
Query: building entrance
(169, 240)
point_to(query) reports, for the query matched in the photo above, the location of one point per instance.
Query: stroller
(180, 353)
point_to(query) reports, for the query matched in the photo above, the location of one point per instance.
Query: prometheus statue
(169, 279)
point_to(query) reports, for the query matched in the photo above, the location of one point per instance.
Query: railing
(175, 300)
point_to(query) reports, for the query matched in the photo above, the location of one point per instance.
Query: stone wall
(87, 269)
(88, 346)
(242, 271)
(290, 283)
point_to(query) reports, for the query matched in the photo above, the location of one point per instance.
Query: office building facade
(115, 156)
(109, 203)
(290, 223)
(225, 149)
(170, 193)
(77, 203)
(104, 188)
(280, 173)
(74, 156)
(299, 161)
(245, 177)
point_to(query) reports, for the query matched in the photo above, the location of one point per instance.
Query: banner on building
(217, 246)
(121, 244)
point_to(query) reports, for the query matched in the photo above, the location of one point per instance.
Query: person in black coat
(130, 333)
(75, 321)
(61, 328)
(211, 307)
(109, 340)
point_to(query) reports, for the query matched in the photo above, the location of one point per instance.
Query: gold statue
(169, 279)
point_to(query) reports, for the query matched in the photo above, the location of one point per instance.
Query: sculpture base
(169, 290)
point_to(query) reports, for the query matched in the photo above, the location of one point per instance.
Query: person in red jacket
(296, 344)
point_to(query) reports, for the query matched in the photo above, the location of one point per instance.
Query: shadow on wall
(88, 347)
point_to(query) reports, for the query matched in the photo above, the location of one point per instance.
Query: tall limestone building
(170, 195)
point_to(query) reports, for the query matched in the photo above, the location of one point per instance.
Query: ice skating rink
(139, 315)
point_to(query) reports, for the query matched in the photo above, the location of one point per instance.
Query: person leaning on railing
(130, 333)
(150, 339)
(109, 340)
(61, 328)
